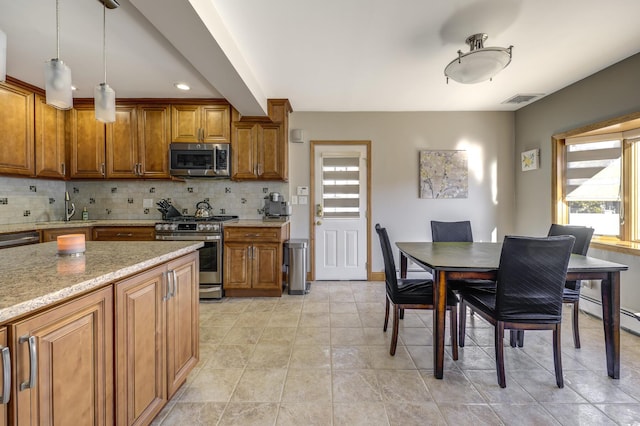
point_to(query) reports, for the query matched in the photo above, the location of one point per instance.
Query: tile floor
(323, 359)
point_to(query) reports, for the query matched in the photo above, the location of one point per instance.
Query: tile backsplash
(25, 200)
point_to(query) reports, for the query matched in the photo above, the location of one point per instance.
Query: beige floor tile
(359, 414)
(523, 414)
(314, 319)
(284, 319)
(306, 413)
(355, 386)
(476, 414)
(350, 358)
(582, 415)
(381, 359)
(230, 356)
(249, 414)
(455, 389)
(624, 414)
(343, 308)
(194, 413)
(268, 355)
(242, 336)
(310, 356)
(212, 385)
(414, 413)
(260, 385)
(315, 307)
(344, 320)
(252, 319)
(278, 335)
(313, 336)
(307, 386)
(347, 336)
(402, 386)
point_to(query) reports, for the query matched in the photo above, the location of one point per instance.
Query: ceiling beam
(196, 30)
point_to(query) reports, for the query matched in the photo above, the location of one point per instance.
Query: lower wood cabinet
(64, 363)
(4, 352)
(53, 234)
(156, 337)
(123, 233)
(253, 260)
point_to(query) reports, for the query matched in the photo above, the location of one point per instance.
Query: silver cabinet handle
(168, 293)
(33, 362)
(64, 169)
(102, 169)
(122, 234)
(6, 376)
(174, 282)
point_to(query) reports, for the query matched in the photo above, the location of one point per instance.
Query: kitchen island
(116, 328)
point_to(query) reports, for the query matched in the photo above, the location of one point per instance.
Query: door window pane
(341, 186)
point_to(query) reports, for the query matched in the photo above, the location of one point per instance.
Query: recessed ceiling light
(182, 86)
(73, 88)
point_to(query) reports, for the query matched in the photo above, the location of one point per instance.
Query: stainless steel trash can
(296, 250)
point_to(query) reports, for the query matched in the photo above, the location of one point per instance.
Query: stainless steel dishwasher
(16, 239)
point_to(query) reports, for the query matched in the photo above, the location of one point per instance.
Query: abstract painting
(444, 174)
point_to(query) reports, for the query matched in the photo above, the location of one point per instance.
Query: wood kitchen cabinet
(123, 233)
(50, 151)
(135, 146)
(4, 355)
(200, 123)
(260, 148)
(64, 363)
(16, 130)
(253, 260)
(156, 337)
(53, 234)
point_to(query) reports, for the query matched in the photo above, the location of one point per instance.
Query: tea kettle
(203, 209)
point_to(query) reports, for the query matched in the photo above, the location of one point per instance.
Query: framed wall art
(530, 159)
(444, 174)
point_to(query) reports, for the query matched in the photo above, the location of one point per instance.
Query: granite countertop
(19, 227)
(34, 276)
(255, 223)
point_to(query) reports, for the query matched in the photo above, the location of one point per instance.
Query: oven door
(211, 270)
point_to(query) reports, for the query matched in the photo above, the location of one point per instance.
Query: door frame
(312, 201)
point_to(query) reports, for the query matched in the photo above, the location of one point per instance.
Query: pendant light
(105, 96)
(57, 76)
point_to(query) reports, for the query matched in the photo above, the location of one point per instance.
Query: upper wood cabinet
(50, 140)
(16, 130)
(136, 145)
(200, 123)
(260, 148)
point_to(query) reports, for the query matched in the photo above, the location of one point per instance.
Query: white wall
(613, 92)
(396, 139)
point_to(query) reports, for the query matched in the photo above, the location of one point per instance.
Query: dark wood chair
(528, 294)
(571, 292)
(410, 294)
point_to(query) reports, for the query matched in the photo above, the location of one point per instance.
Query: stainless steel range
(208, 230)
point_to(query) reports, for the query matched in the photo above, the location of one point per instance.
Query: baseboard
(628, 320)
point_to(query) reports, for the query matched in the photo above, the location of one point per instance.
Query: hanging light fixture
(480, 63)
(3, 56)
(57, 76)
(105, 96)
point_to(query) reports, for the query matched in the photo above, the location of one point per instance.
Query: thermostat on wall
(303, 190)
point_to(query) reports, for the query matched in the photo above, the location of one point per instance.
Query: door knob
(319, 223)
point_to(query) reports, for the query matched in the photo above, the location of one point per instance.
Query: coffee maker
(275, 208)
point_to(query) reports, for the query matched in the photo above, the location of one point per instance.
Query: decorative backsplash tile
(103, 200)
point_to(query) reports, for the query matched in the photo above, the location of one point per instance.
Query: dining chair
(410, 294)
(457, 232)
(528, 296)
(571, 291)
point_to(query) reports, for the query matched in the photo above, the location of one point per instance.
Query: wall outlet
(302, 199)
(147, 202)
(294, 199)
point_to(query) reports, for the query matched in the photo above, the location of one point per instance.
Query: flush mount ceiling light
(57, 77)
(105, 96)
(480, 63)
(182, 86)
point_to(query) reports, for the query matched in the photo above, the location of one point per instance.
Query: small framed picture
(530, 160)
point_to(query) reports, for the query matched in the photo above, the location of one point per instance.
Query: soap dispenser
(85, 214)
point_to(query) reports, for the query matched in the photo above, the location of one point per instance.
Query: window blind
(341, 185)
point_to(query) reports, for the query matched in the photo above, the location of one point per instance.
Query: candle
(71, 244)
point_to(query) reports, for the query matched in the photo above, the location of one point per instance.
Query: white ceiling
(331, 55)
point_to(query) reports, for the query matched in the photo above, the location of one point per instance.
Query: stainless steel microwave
(200, 160)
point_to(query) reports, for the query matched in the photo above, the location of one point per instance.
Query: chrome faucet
(68, 212)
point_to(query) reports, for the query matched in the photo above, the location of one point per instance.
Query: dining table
(480, 260)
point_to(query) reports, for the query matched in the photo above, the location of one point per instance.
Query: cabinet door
(74, 357)
(3, 407)
(16, 131)
(237, 265)
(50, 140)
(267, 258)
(185, 123)
(271, 152)
(215, 124)
(244, 155)
(154, 127)
(140, 348)
(122, 144)
(87, 142)
(53, 234)
(182, 321)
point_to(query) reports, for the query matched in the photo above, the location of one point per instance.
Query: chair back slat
(531, 278)
(451, 232)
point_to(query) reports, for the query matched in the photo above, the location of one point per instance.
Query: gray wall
(396, 139)
(613, 92)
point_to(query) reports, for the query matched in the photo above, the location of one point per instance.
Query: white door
(340, 194)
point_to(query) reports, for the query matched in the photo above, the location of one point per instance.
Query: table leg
(439, 315)
(610, 291)
(403, 265)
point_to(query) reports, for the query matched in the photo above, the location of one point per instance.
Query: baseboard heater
(632, 319)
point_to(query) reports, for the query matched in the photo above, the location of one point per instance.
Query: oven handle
(189, 237)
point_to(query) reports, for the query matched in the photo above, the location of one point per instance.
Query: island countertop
(34, 276)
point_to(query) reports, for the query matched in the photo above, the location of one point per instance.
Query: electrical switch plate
(302, 199)
(294, 199)
(147, 202)
(303, 190)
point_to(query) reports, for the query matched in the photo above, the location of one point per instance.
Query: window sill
(610, 244)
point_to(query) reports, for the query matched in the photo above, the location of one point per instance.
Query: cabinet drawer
(53, 234)
(124, 233)
(251, 234)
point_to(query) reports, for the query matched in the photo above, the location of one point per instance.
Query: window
(597, 179)
(341, 186)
